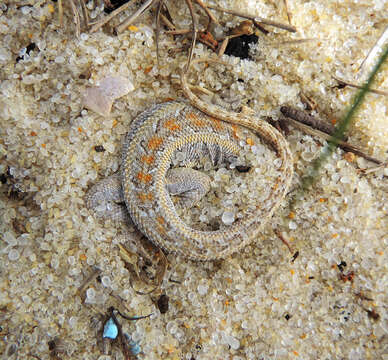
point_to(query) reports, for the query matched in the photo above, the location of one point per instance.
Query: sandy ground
(328, 303)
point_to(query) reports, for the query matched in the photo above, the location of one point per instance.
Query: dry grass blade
(84, 13)
(76, 17)
(307, 119)
(377, 47)
(194, 32)
(342, 144)
(132, 259)
(375, 168)
(121, 27)
(212, 18)
(287, 11)
(157, 31)
(255, 19)
(60, 12)
(345, 83)
(88, 280)
(106, 19)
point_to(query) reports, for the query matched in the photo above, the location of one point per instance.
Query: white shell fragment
(100, 98)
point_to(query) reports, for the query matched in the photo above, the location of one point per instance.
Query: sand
(330, 302)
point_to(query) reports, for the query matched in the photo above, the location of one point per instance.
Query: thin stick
(84, 13)
(88, 280)
(76, 18)
(375, 48)
(194, 33)
(178, 31)
(297, 41)
(307, 119)
(255, 19)
(212, 18)
(308, 102)
(284, 241)
(378, 92)
(288, 13)
(157, 31)
(201, 39)
(375, 168)
(121, 27)
(60, 12)
(167, 22)
(109, 17)
(342, 144)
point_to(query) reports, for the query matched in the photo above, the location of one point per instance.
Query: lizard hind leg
(106, 199)
(189, 184)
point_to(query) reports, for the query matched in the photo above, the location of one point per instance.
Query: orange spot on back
(195, 120)
(160, 220)
(145, 196)
(217, 123)
(172, 125)
(144, 177)
(154, 142)
(148, 159)
(235, 131)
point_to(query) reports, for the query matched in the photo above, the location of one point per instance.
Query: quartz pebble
(228, 218)
(100, 98)
(13, 255)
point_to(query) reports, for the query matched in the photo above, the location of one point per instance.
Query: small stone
(243, 168)
(292, 225)
(233, 342)
(202, 289)
(105, 280)
(90, 294)
(99, 148)
(13, 255)
(163, 303)
(110, 330)
(100, 98)
(228, 217)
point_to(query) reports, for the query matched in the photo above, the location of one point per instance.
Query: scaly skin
(146, 178)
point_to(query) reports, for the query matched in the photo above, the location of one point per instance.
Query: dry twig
(287, 11)
(284, 241)
(375, 168)
(128, 21)
(375, 48)
(76, 17)
(255, 19)
(109, 17)
(307, 119)
(342, 144)
(344, 83)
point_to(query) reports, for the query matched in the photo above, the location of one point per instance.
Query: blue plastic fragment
(135, 349)
(110, 330)
(134, 346)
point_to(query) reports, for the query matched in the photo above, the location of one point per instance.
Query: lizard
(146, 182)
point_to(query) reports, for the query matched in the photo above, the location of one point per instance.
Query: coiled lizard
(146, 181)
